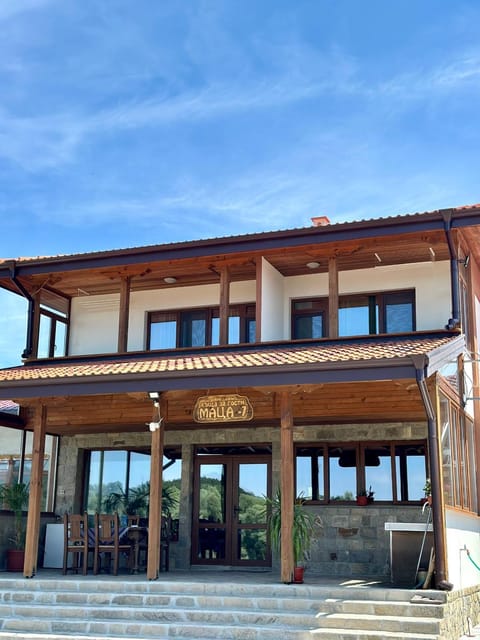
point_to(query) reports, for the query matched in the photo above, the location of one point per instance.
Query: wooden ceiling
(289, 261)
(386, 401)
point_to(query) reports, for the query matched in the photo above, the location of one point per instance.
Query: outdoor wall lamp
(154, 425)
(465, 261)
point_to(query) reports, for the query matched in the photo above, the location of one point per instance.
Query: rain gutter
(30, 313)
(439, 538)
(454, 321)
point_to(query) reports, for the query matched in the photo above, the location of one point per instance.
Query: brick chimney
(320, 221)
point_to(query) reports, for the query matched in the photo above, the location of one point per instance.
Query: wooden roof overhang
(354, 245)
(331, 380)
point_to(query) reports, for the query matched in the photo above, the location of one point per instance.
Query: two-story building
(324, 361)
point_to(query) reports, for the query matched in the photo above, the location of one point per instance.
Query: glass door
(229, 522)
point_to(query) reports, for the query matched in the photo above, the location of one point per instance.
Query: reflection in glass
(252, 544)
(251, 492)
(212, 493)
(378, 472)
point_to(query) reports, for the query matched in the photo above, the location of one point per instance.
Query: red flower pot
(298, 575)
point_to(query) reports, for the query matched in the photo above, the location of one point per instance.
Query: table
(136, 535)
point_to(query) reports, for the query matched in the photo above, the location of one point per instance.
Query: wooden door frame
(232, 462)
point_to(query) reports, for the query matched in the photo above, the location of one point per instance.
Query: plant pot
(362, 501)
(298, 575)
(15, 559)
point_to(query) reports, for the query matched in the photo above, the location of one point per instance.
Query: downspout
(454, 321)
(30, 314)
(439, 542)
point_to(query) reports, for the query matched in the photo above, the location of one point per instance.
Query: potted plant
(302, 531)
(15, 497)
(427, 490)
(365, 497)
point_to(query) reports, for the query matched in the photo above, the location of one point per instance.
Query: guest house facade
(323, 361)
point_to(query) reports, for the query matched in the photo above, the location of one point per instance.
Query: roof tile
(341, 351)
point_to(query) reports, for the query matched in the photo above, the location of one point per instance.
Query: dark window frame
(382, 299)
(55, 318)
(359, 448)
(246, 312)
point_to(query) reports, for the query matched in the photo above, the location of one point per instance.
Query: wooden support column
(224, 304)
(124, 312)
(156, 481)
(332, 298)
(258, 300)
(286, 487)
(35, 496)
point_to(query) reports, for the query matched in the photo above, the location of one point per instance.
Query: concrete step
(382, 608)
(123, 609)
(354, 634)
(371, 622)
(28, 614)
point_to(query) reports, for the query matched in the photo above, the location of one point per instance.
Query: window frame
(325, 448)
(376, 299)
(246, 312)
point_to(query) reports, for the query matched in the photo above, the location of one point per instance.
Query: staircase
(123, 608)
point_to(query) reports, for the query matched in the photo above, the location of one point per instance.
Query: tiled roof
(306, 356)
(7, 406)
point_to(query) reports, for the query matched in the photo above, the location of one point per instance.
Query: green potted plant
(365, 497)
(302, 531)
(15, 498)
(427, 490)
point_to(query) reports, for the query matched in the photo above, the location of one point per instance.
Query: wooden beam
(124, 312)
(156, 480)
(258, 300)
(224, 304)
(35, 497)
(332, 298)
(286, 487)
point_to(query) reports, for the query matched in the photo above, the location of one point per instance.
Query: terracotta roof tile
(288, 355)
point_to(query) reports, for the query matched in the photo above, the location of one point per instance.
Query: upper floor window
(359, 314)
(52, 336)
(199, 327)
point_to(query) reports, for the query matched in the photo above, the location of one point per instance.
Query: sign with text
(224, 408)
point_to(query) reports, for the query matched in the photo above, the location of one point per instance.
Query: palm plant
(136, 502)
(302, 530)
(15, 497)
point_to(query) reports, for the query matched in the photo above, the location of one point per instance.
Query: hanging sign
(224, 408)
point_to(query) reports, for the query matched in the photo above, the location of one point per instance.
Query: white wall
(272, 303)
(463, 532)
(431, 281)
(94, 323)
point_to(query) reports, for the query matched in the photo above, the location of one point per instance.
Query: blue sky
(128, 123)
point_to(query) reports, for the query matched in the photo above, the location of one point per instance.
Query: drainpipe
(454, 321)
(31, 312)
(439, 542)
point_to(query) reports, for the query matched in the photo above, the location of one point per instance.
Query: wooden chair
(107, 541)
(75, 532)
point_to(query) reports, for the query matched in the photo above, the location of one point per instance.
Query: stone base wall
(462, 609)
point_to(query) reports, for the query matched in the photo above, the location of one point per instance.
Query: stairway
(123, 608)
